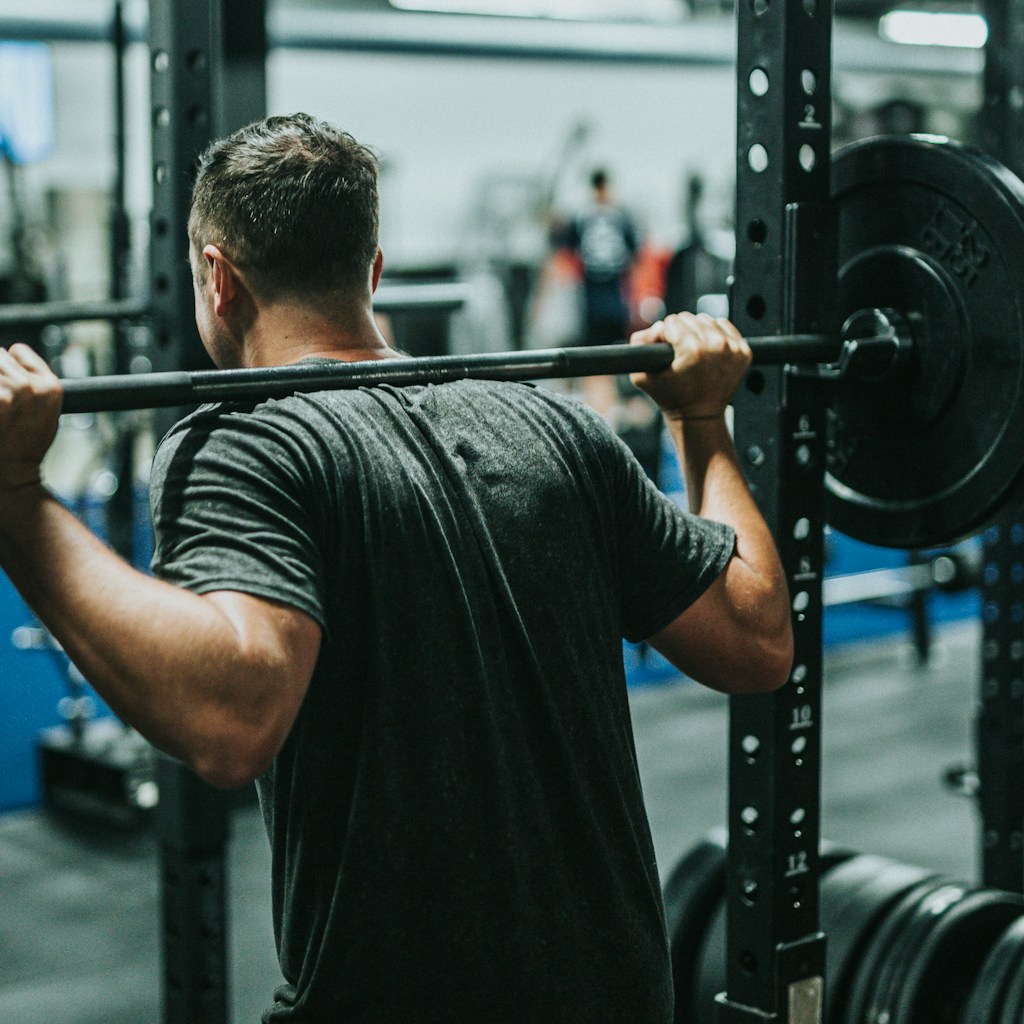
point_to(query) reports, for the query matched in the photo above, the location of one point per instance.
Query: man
(604, 239)
(399, 610)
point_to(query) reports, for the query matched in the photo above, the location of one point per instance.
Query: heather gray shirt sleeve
(668, 557)
(231, 511)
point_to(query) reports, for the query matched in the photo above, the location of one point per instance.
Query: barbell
(924, 446)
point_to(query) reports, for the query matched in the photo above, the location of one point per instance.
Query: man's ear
(378, 266)
(224, 278)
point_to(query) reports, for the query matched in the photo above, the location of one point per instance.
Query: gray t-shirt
(456, 820)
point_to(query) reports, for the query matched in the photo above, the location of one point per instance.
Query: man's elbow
(235, 757)
(769, 663)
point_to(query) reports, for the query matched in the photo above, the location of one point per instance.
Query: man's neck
(284, 333)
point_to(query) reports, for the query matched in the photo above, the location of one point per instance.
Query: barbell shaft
(179, 388)
(156, 390)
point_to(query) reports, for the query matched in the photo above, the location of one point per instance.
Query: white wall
(444, 123)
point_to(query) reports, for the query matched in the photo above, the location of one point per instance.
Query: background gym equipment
(390, 298)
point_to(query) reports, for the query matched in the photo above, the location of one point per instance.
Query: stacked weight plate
(905, 945)
(998, 993)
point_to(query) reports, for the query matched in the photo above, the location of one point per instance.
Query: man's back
(456, 818)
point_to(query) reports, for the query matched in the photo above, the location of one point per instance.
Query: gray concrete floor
(78, 928)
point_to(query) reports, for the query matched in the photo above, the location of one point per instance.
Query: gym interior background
(488, 128)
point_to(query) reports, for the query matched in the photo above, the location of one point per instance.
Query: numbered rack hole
(808, 81)
(758, 81)
(807, 157)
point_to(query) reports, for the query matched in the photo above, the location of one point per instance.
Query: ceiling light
(568, 10)
(933, 28)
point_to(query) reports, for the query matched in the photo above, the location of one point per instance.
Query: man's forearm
(164, 659)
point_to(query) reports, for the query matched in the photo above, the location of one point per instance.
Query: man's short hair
(293, 202)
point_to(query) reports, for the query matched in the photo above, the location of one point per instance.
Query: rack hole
(756, 306)
(755, 382)
(757, 158)
(758, 81)
(807, 157)
(757, 231)
(808, 81)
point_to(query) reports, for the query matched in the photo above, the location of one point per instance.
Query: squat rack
(999, 723)
(784, 282)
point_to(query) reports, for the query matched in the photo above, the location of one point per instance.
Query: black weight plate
(1012, 1009)
(691, 894)
(904, 947)
(891, 986)
(854, 899)
(937, 982)
(985, 1002)
(935, 230)
(868, 973)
